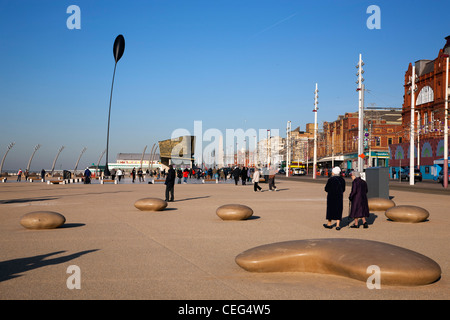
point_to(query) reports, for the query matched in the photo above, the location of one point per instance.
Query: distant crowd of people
(335, 186)
(243, 174)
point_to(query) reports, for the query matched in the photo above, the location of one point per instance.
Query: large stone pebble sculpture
(234, 212)
(42, 220)
(150, 204)
(406, 213)
(380, 204)
(343, 257)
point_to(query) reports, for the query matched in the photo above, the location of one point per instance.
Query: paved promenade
(187, 251)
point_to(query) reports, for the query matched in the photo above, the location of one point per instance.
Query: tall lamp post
(316, 102)
(76, 164)
(412, 90)
(56, 158)
(36, 148)
(446, 127)
(118, 48)
(360, 90)
(142, 157)
(3, 160)
(150, 157)
(268, 148)
(288, 147)
(98, 163)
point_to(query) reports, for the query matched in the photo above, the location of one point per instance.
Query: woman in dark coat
(335, 188)
(244, 175)
(358, 197)
(236, 174)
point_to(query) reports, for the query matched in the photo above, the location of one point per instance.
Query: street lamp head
(118, 47)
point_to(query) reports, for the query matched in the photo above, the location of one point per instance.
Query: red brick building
(339, 139)
(429, 113)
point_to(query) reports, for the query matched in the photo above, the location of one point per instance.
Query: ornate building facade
(429, 114)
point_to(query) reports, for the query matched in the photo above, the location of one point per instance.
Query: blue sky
(229, 63)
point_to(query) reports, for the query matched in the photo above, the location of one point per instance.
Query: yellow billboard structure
(177, 151)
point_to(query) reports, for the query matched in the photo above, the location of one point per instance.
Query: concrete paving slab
(187, 252)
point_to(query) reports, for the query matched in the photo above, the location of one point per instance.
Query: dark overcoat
(358, 197)
(335, 189)
(170, 178)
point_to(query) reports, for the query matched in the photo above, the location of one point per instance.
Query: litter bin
(66, 174)
(377, 179)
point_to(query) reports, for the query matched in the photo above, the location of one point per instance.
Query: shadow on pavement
(11, 269)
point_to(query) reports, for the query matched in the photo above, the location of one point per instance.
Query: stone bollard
(42, 220)
(234, 212)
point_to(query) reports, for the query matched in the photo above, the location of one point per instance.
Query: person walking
(133, 174)
(236, 174)
(255, 178)
(335, 189)
(87, 176)
(43, 175)
(119, 174)
(179, 175)
(170, 184)
(266, 174)
(244, 175)
(359, 202)
(272, 171)
(19, 175)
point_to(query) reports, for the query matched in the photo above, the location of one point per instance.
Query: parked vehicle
(441, 177)
(298, 171)
(438, 170)
(405, 175)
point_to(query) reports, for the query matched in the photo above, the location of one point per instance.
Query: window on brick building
(389, 140)
(425, 95)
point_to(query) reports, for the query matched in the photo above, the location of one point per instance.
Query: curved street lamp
(56, 158)
(98, 162)
(36, 148)
(3, 160)
(118, 49)
(142, 157)
(76, 165)
(151, 156)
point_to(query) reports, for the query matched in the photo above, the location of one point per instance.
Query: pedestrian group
(358, 202)
(335, 187)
